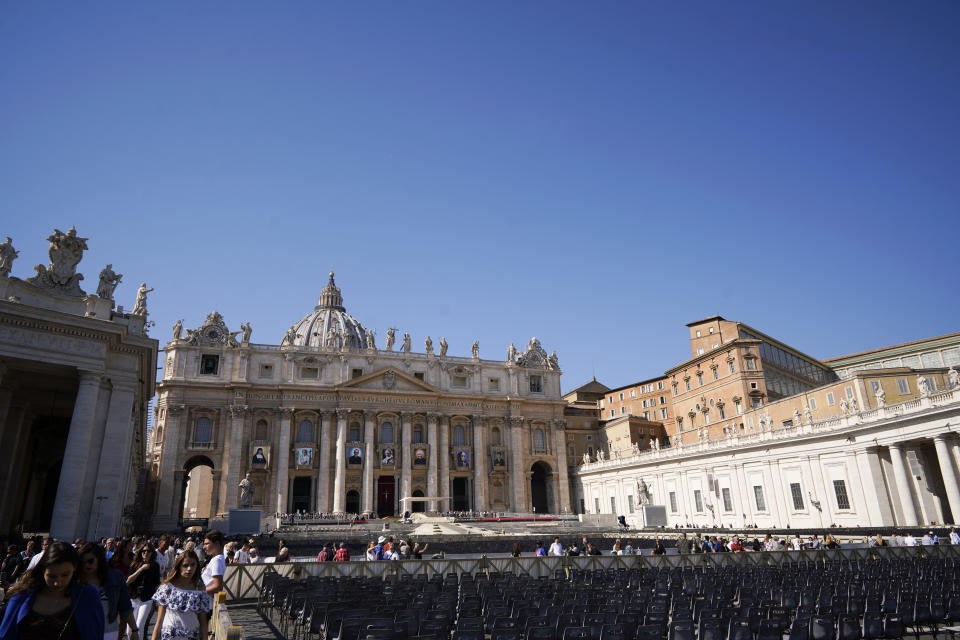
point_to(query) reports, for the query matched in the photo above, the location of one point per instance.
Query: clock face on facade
(214, 334)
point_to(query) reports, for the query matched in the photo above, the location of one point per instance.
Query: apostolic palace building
(329, 421)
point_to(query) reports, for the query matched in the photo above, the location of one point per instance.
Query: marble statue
(332, 338)
(643, 493)
(391, 338)
(881, 396)
(635, 447)
(406, 343)
(807, 415)
(108, 282)
(586, 458)
(796, 417)
(246, 492)
(443, 347)
(511, 353)
(843, 406)
(177, 329)
(140, 306)
(7, 255)
(290, 336)
(246, 331)
(922, 386)
(428, 343)
(371, 339)
(66, 251)
(554, 362)
(475, 349)
(854, 407)
(954, 377)
(600, 456)
(656, 444)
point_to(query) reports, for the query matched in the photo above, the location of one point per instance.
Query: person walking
(142, 582)
(342, 554)
(51, 603)
(182, 602)
(112, 588)
(212, 575)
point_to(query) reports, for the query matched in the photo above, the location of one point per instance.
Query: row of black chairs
(842, 600)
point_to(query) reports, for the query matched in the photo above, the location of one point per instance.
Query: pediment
(389, 379)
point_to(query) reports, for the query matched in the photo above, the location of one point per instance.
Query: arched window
(386, 433)
(459, 436)
(354, 435)
(495, 436)
(203, 430)
(159, 436)
(305, 431)
(260, 432)
(539, 442)
(417, 434)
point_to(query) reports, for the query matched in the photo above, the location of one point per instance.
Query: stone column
(16, 431)
(327, 435)
(443, 458)
(517, 476)
(234, 457)
(168, 493)
(340, 472)
(432, 462)
(65, 523)
(949, 476)
(110, 481)
(369, 458)
(405, 492)
(281, 460)
(563, 502)
(901, 473)
(480, 471)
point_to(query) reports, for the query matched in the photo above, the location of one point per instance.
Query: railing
(755, 436)
(220, 624)
(243, 581)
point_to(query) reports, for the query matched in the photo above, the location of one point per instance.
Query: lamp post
(96, 529)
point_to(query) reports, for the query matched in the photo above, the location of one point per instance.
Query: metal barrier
(242, 581)
(220, 623)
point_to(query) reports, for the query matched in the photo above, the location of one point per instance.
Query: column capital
(559, 424)
(516, 421)
(175, 409)
(285, 412)
(88, 377)
(940, 437)
(238, 410)
(406, 416)
(119, 384)
(432, 416)
(896, 445)
(343, 413)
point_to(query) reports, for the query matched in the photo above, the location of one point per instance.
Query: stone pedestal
(245, 521)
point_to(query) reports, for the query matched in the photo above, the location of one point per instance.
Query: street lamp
(96, 530)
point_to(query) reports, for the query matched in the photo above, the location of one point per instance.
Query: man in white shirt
(35, 560)
(556, 549)
(928, 539)
(954, 536)
(213, 573)
(796, 543)
(909, 540)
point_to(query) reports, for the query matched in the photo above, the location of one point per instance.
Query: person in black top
(142, 582)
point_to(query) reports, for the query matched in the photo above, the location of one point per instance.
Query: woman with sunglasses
(142, 582)
(49, 602)
(112, 587)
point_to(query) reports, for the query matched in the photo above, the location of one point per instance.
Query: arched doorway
(353, 501)
(541, 488)
(196, 497)
(418, 507)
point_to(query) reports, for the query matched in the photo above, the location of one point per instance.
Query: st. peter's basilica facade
(329, 421)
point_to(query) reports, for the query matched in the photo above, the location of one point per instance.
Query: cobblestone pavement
(255, 626)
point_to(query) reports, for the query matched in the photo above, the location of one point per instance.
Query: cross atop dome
(330, 297)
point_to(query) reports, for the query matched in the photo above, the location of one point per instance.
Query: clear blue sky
(595, 174)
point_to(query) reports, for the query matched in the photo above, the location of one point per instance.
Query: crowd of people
(111, 588)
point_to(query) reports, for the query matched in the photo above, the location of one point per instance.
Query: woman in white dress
(182, 602)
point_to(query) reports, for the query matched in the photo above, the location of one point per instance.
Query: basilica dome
(328, 325)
